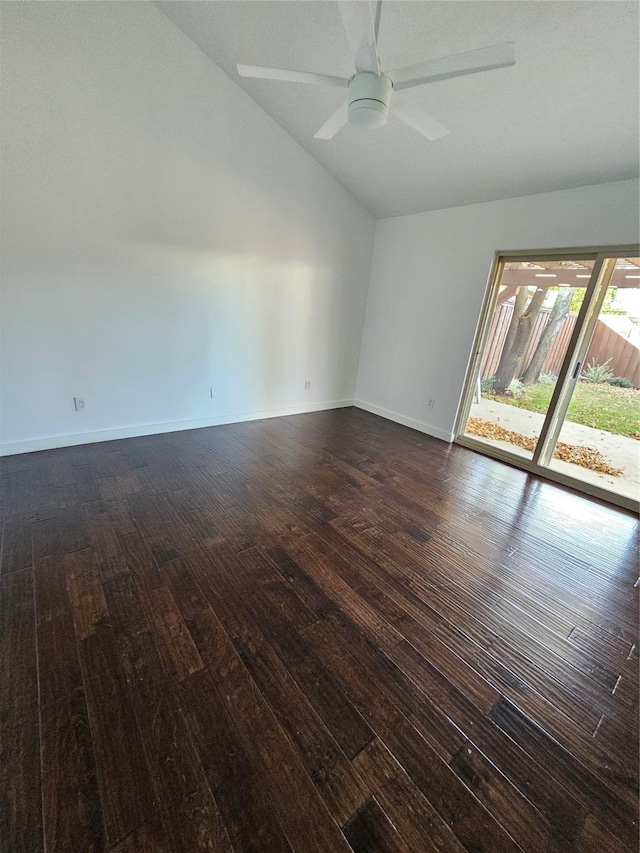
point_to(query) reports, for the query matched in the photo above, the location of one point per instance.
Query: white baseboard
(436, 432)
(10, 448)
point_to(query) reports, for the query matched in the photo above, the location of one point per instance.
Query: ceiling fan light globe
(368, 115)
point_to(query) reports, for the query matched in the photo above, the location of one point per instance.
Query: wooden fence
(625, 356)
(606, 343)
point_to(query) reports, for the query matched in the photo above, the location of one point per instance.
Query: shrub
(621, 382)
(598, 373)
(515, 389)
(487, 385)
(547, 379)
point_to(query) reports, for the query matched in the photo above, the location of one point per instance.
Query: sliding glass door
(554, 384)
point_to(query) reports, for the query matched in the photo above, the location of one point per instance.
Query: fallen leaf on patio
(586, 457)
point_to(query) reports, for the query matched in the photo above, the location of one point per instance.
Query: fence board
(606, 343)
(625, 356)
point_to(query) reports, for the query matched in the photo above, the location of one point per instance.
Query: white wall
(428, 280)
(161, 235)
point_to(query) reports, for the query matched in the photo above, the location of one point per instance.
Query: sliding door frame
(596, 289)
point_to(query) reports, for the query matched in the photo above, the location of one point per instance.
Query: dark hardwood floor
(318, 633)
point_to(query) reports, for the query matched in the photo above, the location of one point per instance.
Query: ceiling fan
(372, 92)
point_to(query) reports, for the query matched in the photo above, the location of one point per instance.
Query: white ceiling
(566, 115)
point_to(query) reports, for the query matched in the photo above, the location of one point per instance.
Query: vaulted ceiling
(565, 115)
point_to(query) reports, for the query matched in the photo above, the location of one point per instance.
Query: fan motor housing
(369, 97)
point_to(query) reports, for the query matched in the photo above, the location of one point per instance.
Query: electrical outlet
(431, 403)
(307, 384)
(78, 402)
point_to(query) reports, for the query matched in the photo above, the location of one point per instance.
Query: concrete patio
(620, 451)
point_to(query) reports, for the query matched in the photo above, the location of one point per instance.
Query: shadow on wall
(246, 326)
(145, 338)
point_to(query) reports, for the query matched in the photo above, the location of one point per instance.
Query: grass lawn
(602, 406)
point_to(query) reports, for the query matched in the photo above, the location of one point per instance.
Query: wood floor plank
(456, 672)
(315, 633)
(126, 791)
(359, 545)
(140, 561)
(162, 546)
(58, 664)
(298, 805)
(524, 823)
(385, 684)
(191, 814)
(328, 767)
(471, 822)
(63, 534)
(86, 595)
(237, 785)
(316, 600)
(417, 821)
(370, 584)
(191, 819)
(533, 699)
(563, 814)
(388, 575)
(184, 587)
(596, 795)
(371, 829)
(148, 838)
(535, 660)
(328, 699)
(86, 483)
(345, 597)
(172, 635)
(17, 550)
(106, 545)
(20, 798)
(23, 486)
(606, 648)
(119, 485)
(71, 803)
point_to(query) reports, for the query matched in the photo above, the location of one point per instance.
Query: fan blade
(359, 21)
(415, 118)
(485, 59)
(376, 26)
(261, 73)
(333, 124)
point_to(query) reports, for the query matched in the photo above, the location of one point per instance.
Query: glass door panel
(535, 312)
(598, 440)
